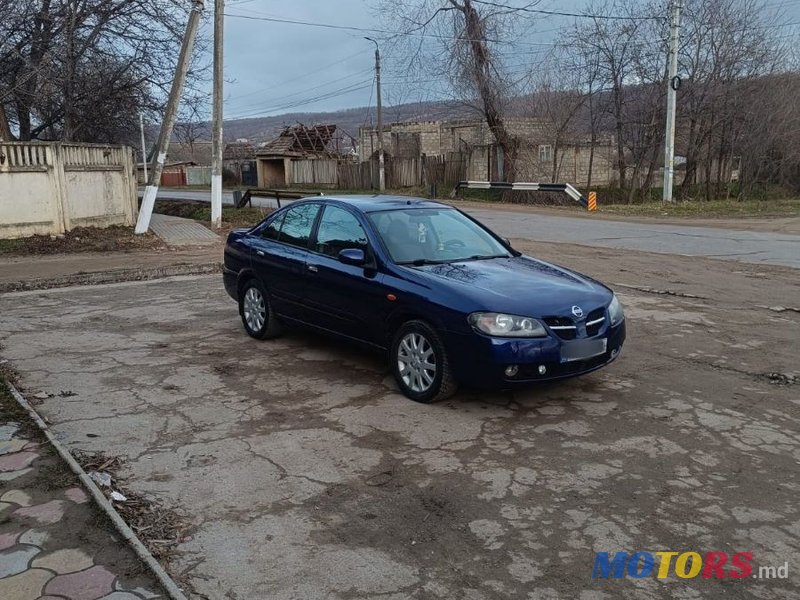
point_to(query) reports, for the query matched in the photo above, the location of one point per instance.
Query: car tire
(420, 378)
(257, 317)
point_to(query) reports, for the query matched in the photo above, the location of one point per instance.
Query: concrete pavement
(309, 477)
(755, 247)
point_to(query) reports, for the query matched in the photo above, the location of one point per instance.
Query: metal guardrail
(247, 197)
(525, 186)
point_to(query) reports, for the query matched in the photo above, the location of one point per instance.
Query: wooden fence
(399, 172)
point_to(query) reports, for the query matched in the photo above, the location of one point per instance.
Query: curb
(115, 276)
(139, 549)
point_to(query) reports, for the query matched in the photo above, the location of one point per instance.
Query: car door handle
(312, 268)
(260, 252)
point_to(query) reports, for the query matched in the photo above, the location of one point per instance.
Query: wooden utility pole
(673, 82)
(216, 168)
(170, 116)
(144, 146)
(381, 169)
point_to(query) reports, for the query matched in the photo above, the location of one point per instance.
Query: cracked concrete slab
(308, 476)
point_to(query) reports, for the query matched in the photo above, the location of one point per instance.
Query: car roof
(378, 202)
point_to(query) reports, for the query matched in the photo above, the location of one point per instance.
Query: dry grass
(160, 529)
(82, 239)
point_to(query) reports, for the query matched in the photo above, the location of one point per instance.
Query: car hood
(519, 285)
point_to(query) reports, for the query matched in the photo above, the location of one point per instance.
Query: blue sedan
(449, 300)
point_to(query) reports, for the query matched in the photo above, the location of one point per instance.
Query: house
(540, 158)
(239, 162)
(296, 149)
(174, 173)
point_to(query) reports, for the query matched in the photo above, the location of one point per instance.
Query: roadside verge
(102, 502)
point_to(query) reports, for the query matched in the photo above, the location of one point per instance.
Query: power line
(288, 97)
(381, 31)
(556, 13)
(303, 76)
(362, 85)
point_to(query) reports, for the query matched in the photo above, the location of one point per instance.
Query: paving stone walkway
(177, 231)
(55, 544)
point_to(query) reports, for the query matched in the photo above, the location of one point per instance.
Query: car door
(280, 255)
(349, 299)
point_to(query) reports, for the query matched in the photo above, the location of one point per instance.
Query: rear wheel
(257, 317)
(420, 365)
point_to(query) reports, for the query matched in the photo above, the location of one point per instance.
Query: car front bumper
(481, 361)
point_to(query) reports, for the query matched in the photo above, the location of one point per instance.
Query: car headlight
(615, 313)
(503, 325)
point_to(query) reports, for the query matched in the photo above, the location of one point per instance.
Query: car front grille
(563, 327)
(566, 329)
(595, 321)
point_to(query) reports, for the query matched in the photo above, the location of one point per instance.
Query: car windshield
(425, 235)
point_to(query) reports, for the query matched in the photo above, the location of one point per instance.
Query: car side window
(339, 230)
(297, 225)
(272, 231)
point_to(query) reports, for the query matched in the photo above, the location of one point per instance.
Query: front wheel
(257, 317)
(420, 365)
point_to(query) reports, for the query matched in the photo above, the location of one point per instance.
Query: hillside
(262, 129)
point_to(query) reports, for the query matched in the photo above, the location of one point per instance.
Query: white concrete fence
(50, 188)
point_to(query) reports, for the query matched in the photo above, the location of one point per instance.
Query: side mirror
(352, 256)
(507, 241)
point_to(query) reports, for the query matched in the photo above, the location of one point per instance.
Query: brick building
(539, 159)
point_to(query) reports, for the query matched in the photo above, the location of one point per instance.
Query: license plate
(582, 349)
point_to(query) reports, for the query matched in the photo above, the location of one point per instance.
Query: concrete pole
(381, 168)
(144, 146)
(171, 115)
(216, 168)
(672, 83)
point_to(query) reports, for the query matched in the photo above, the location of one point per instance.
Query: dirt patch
(82, 239)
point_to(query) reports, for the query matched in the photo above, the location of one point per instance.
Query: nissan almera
(449, 301)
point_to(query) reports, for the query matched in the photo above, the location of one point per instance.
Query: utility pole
(170, 116)
(381, 170)
(216, 168)
(144, 147)
(673, 83)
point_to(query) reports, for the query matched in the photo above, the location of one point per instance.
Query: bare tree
(557, 99)
(726, 43)
(460, 41)
(81, 69)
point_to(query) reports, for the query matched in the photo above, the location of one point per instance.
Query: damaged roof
(300, 141)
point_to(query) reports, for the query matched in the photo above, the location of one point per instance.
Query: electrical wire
(297, 78)
(315, 87)
(556, 13)
(390, 34)
(362, 85)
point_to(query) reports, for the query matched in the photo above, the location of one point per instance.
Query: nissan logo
(577, 311)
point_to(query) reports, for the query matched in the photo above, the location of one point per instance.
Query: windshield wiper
(424, 261)
(484, 257)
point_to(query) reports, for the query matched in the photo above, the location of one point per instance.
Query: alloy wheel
(416, 362)
(255, 309)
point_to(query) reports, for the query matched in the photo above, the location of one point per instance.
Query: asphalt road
(306, 476)
(744, 246)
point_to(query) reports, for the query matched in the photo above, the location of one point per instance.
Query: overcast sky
(274, 68)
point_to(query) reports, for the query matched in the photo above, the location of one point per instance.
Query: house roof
(239, 151)
(300, 141)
